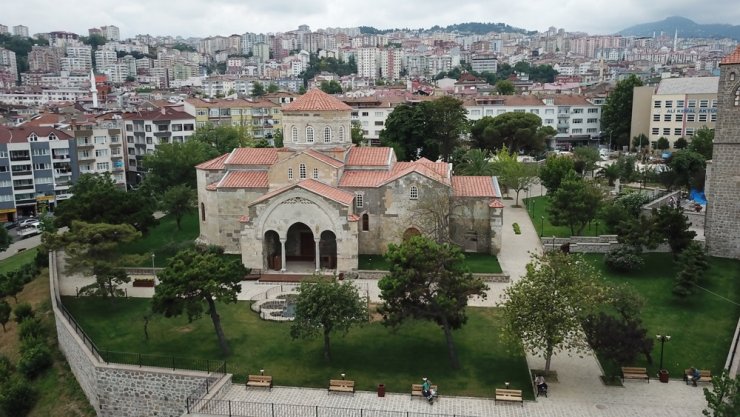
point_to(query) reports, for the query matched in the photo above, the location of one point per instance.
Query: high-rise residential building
(484, 63)
(391, 60)
(8, 68)
(3, 29)
(261, 51)
(45, 59)
(105, 58)
(367, 62)
(100, 150)
(78, 59)
(111, 32)
(20, 30)
(61, 39)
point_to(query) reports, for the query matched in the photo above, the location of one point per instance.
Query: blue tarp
(698, 196)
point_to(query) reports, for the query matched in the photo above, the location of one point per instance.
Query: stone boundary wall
(696, 219)
(732, 364)
(591, 244)
(488, 277)
(121, 390)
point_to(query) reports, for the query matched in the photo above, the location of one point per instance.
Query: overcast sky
(224, 17)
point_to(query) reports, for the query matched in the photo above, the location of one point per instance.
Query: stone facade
(722, 227)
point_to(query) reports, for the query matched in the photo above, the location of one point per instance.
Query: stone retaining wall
(488, 277)
(592, 244)
(122, 390)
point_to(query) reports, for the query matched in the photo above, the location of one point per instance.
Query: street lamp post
(597, 228)
(542, 226)
(154, 273)
(662, 372)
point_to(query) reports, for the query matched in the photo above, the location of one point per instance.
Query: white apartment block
(105, 58)
(79, 58)
(484, 63)
(367, 62)
(20, 30)
(117, 73)
(62, 79)
(3, 29)
(8, 66)
(146, 130)
(112, 33)
(61, 39)
(45, 59)
(100, 150)
(681, 106)
(45, 96)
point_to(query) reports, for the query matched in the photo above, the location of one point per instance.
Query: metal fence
(253, 409)
(172, 362)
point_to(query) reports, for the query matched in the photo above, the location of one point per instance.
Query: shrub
(17, 397)
(31, 329)
(517, 230)
(623, 259)
(693, 262)
(42, 259)
(22, 311)
(6, 370)
(34, 360)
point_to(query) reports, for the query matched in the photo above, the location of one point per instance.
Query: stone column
(318, 254)
(282, 255)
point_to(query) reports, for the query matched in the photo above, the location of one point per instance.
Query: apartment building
(3, 29)
(100, 150)
(367, 62)
(79, 59)
(370, 113)
(146, 130)
(20, 30)
(8, 68)
(36, 169)
(260, 117)
(105, 58)
(112, 33)
(45, 59)
(484, 63)
(45, 96)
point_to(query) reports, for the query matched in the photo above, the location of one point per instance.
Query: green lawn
(369, 355)
(537, 209)
(165, 240)
(15, 261)
(701, 326)
(477, 262)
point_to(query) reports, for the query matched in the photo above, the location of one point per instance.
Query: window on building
(680, 104)
(365, 114)
(148, 128)
(341, 133)
(327, 134)
(577, 121)
(302, 171)
(592, 130)
(704, 103)
(290, 173)
(689, 131)
(690, 117)
(713, 117)
(294, 134)
(666, 131)
(577, 131)
(309, 134)
(378, 114)
(358, 200)
(202, 212)
(737, 97)
(656, 104)
(669, 104)
(714, 104)
(677, 131)
(365, 222)
(549, 121)
(593, 110)
(129, 128)
(656, 117)
(549, 111)
(535, 111)
(414, 193)
(592, 121)
(692, 103)
(666, 117)
(732, 76)
(577, 111)
(315, 173)
(703, 117)
(103, 166)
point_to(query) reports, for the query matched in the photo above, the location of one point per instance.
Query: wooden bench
(253, 275)
(509, 395)
(630, 372)
(342, 385)
(704, 376)
(416, 390)
(262, 381)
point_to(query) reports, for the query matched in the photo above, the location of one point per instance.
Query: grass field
(476, 262)
(369, 355)
(16, 261)
(164, 240)
(701, 326)
(537, 209)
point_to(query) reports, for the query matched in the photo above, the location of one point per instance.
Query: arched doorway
(328, 250)
(300, 249)
(271, 249)
(411, 232)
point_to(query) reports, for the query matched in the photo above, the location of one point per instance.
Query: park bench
(509, 395)
(416, 390)
(704, 376)
(342, 385)
(630, 372)
(263, 381)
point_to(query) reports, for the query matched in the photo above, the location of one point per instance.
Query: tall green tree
(4, 313)
(689, 169)
(675, 227)
(224, 139)
(505, 87)
(174, 163)
(194, 278)
(662, 144)
(475, 162)
(724, 398)
(575, 203)
(5, 239)
(517, 131)
(94, 248)
(545, 308)
(702, 142)
(97, 199)
(272, 88)
(404, 132)
(513, 174)
(555, 169)
(446, 123)
(610, 172)
(178, 201)
(428, 281)
(325, 307)
(693, 263)
(584, 159)
(616, 116)
(358, 137)
(331, 87)
(258, 89)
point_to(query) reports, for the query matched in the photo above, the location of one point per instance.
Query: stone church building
(320, 201)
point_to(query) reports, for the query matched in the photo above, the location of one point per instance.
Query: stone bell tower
(722, 227)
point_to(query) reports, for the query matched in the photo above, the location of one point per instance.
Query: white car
(29, 223)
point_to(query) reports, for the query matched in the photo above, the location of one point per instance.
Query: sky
(201, 18)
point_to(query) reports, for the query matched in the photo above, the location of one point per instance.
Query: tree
(4, 313)
(258, 90)
(446, 122)
(224, 139)
(94, 248)
(505, 87)
(638, 233)
(585, 158)
(555, 169)
(331, 87)
(680, 143)
(97, 199)
(404, 132)
(358, 137)
(325, 307)
(194, 277)
(616, 116)
(514, 175)
(702, 142)
(545, 308)
(610, 172)
(517, 131)
(272, 88)
(5, 239)
(475, 162)
(640, 142)
(663, 144)
(12, 284)
(689, 169)
(674, 226)
(174, 163)
(428, 281)
(693, 263)
(178, 201)
(724, 399)
(574, 204)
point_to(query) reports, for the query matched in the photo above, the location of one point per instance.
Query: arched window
(341, 133)
(327, 134)
(309, 134)
(294, 134)
(290, 173)
(202, 212)
(414, 193)
(365, 222)
(302, 171)
(315, 173)
(732, 76)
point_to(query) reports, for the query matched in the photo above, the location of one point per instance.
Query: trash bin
(381, 390)
(663, 375)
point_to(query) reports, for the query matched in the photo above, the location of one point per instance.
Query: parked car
(28, 232)
(29, 223)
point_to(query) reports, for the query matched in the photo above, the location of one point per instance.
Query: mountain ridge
(687, 28)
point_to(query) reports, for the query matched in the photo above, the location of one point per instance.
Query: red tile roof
(164, 113)
(496, 204)
(252, 156)
(324, 158)
(733, 58)
(316, 187)
(245, 179)
(215, 163)
(20, 134)
(436, 171)
(369, 156)
(353, 218)
(316, 100)
(468, 186)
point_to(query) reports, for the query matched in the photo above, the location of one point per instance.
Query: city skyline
(189, 18)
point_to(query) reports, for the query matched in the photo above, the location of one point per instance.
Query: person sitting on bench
(426, 390)
(695, 375)
(541, 384)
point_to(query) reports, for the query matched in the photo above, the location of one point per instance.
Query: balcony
(61, 156)
(23, 187)
(85, 144)
(20, 158)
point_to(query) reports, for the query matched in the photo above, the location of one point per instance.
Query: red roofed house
(320, 201)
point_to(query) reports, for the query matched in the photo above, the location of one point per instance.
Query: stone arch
(410, 232)
(328, 250)
(300, 247)
(272, 250)
(365, 222)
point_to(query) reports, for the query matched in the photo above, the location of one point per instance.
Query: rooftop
(733, 58)
(316, 100)
(696, 85)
